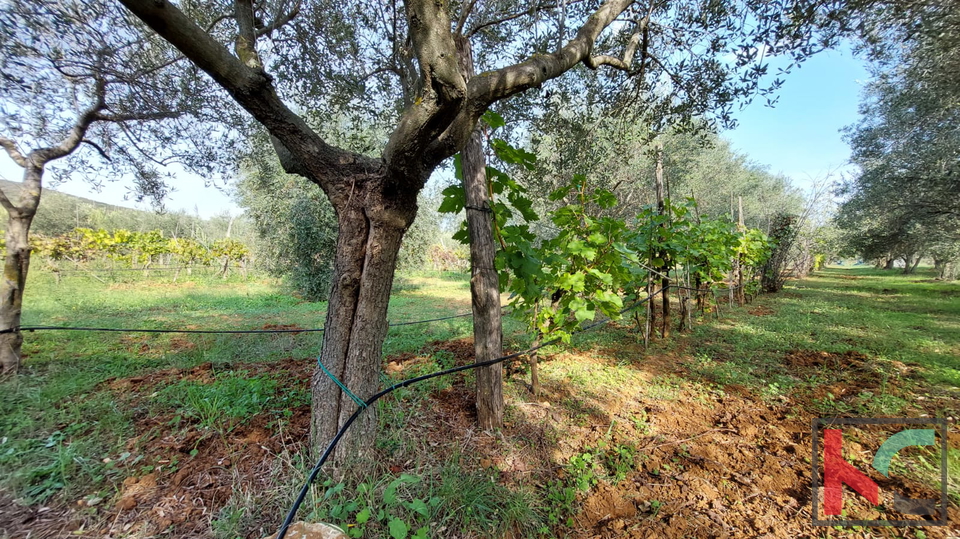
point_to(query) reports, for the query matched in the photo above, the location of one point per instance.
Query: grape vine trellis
(595, 262)
(130, 249)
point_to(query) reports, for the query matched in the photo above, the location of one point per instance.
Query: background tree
(77, 75)
(904, 198)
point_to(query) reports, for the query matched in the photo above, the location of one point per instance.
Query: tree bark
(484, 281)
(371, 228)
(741, 228)
(484, 287)
(663, 269)
(16, 265)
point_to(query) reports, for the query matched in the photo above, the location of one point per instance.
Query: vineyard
(116, 249)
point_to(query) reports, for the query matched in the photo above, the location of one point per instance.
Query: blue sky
(799, 137)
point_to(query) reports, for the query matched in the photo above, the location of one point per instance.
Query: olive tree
(80, 81)
(286, 63)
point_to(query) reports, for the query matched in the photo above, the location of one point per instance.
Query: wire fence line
(120, 270)
(210, 331)
(262, 331)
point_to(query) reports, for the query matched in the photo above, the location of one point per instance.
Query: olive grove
(293, 65)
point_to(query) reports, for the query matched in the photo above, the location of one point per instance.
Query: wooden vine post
(741, 229)
(663, 268)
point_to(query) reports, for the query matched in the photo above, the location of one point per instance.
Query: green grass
(63, 432)
(885, 316)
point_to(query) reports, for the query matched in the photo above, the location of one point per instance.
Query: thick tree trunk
(371, 229)
(889, 263)
(15, 266)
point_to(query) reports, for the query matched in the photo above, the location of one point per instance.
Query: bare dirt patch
(811, 358)
(761, 310)
(724, 463)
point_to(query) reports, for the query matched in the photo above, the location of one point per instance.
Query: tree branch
(492, 86)
(97, 147)
(7, 205)
(626, 63)
(14, 153)
(246, 43)
(464, 14)
(513, 16)
(78, 132)
(253, 90)
(443, 89)
(487, 88)
(280, 21)
(213, 24)
(129, 117)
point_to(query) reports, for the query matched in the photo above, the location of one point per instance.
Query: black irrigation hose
(431, 320)
(369, 402)
(208, 331)
(126, 330)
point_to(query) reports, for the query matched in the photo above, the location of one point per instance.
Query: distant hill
(60, 213)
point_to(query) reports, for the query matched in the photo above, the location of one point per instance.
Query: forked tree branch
(280, 21)
(487, 88)
(442, 94)
(253, 90)
(70, 143)
(626, 63)
(14, 152)
(492, 86)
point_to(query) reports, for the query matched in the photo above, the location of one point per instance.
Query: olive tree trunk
(375, 199)
(16, 264)
(371, 228)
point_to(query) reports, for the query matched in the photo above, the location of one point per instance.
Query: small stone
(312, 530)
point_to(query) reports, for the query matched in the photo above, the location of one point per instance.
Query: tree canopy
(904, 200)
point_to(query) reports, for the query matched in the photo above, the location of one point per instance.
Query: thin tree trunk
(664, 268)
(651, 313)
(742, 228)
(484, 281)
(908, 269)
(535, 368)
(15, 267)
